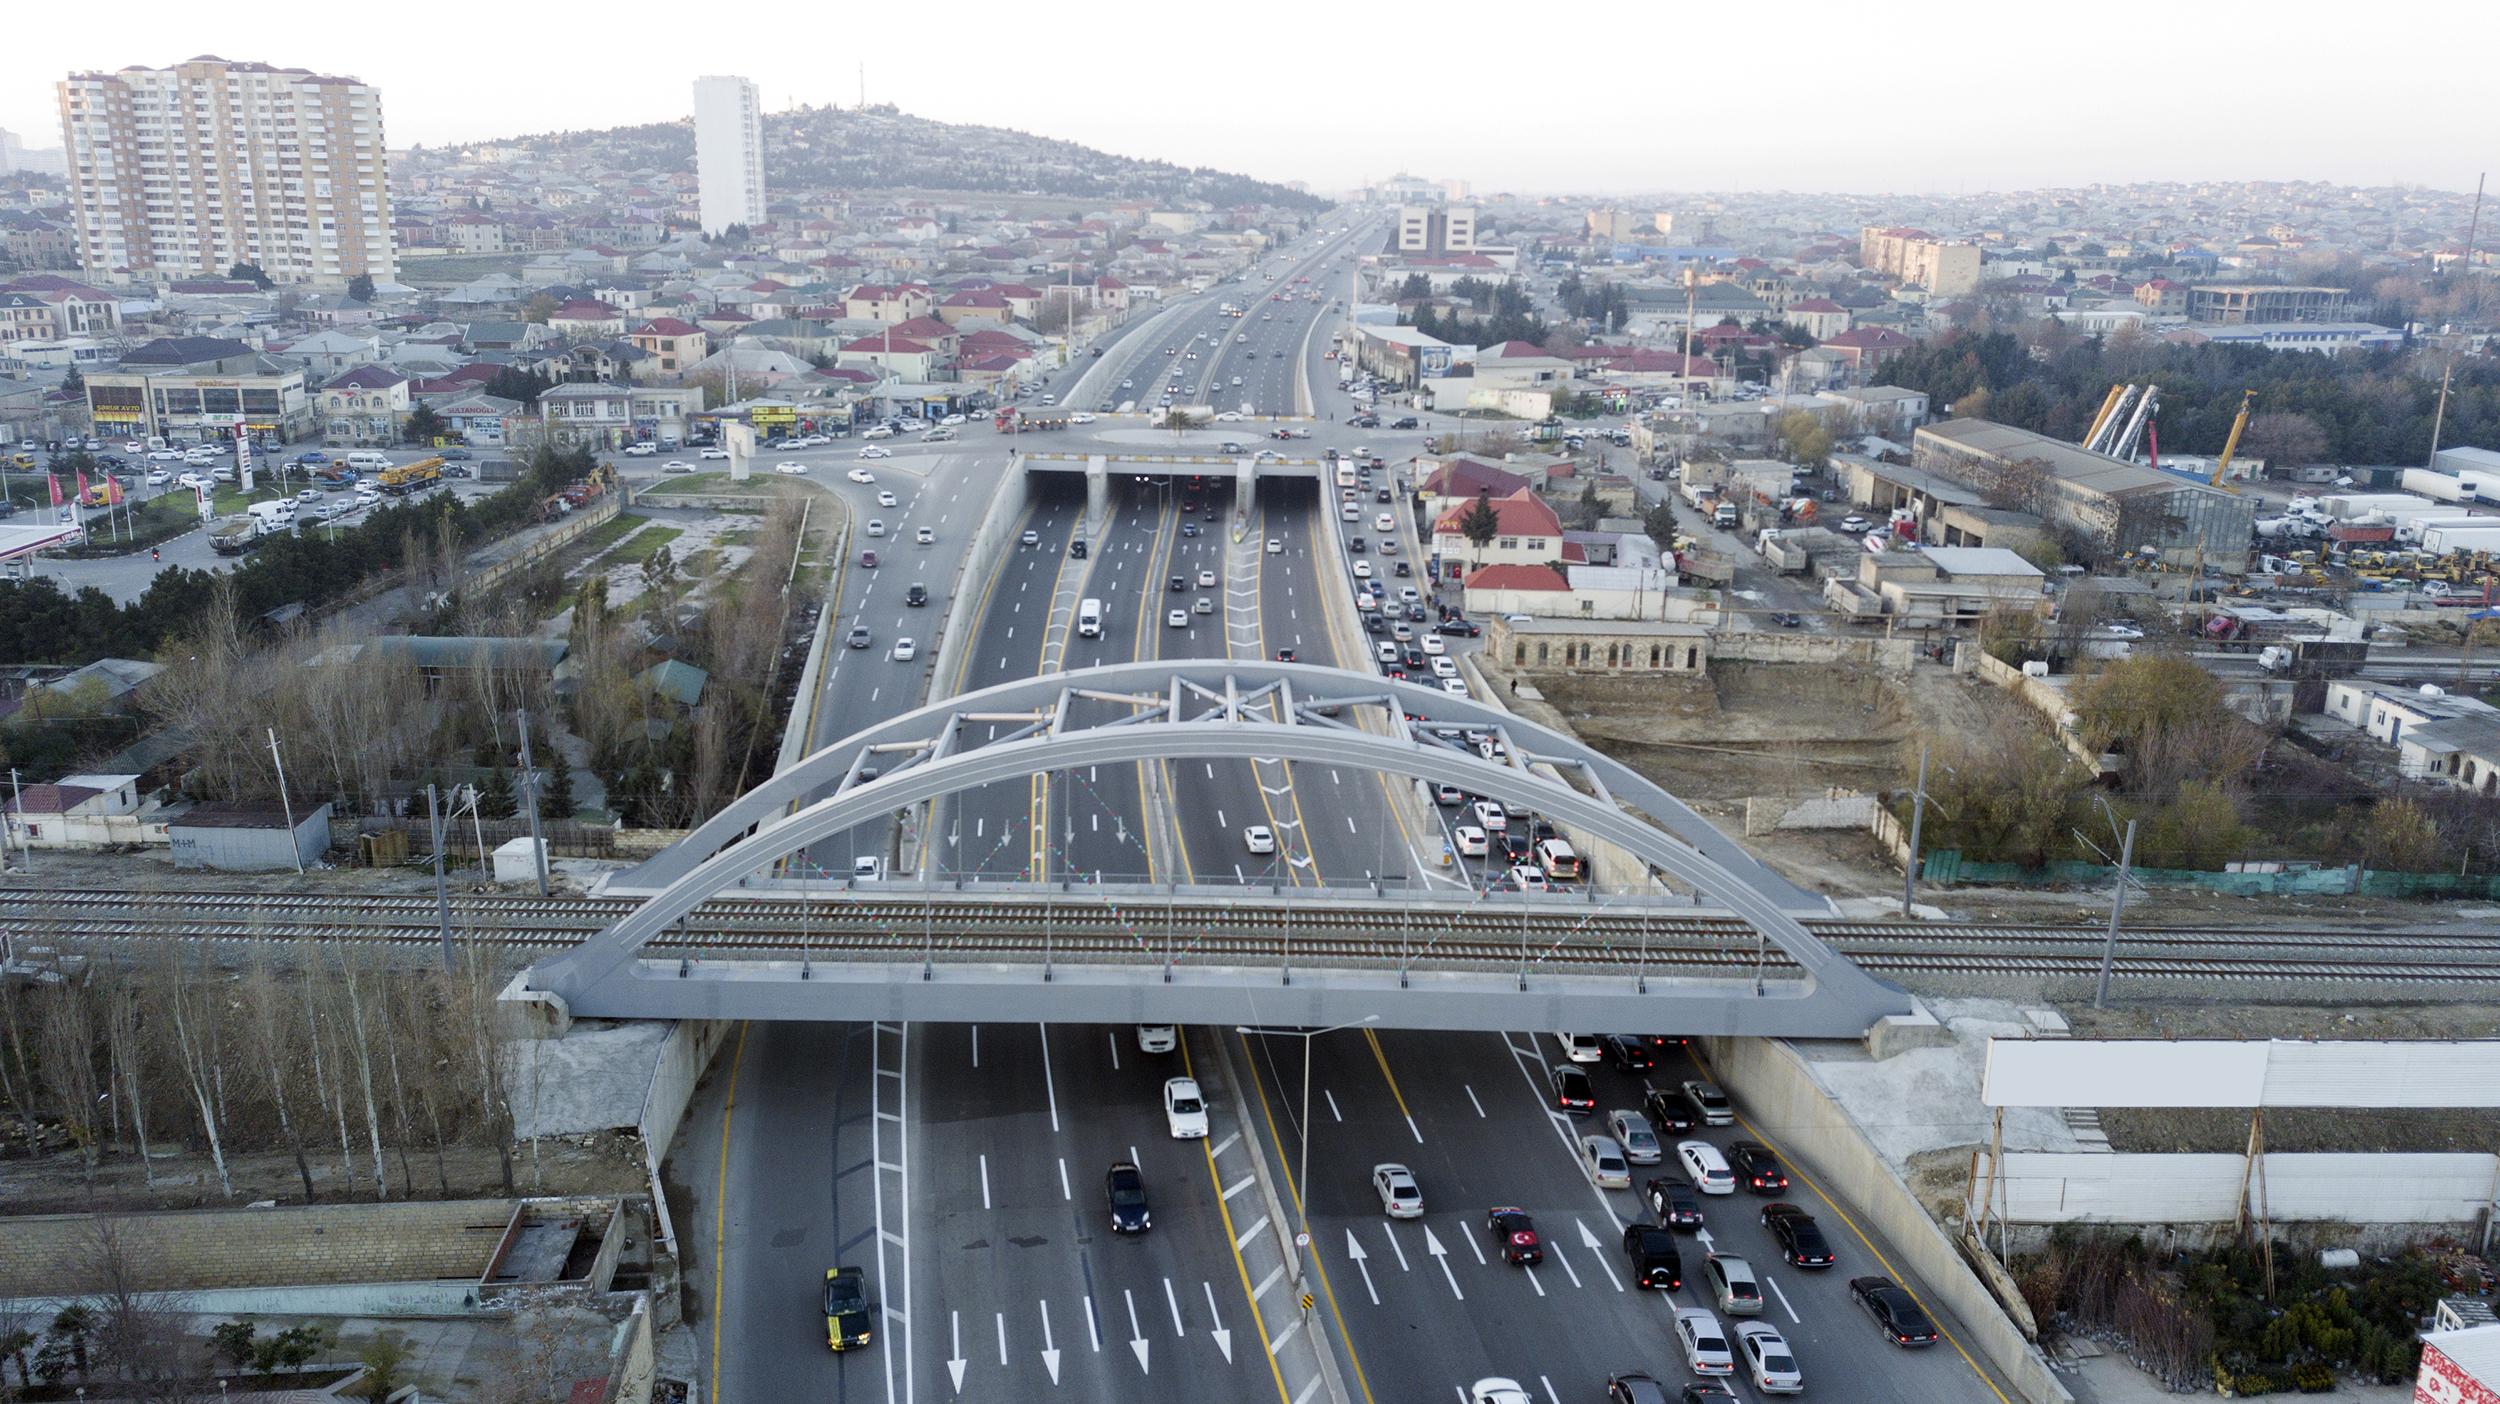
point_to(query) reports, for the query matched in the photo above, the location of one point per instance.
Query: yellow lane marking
(1899, 1278)
(1380, 1055)
(720, 1206)
(1258, 1318)
(1317, 1265)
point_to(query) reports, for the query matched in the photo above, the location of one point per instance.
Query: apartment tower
(729, 152)
(186, 171)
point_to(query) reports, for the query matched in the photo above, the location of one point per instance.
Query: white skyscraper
(729, 152)
(188, 170)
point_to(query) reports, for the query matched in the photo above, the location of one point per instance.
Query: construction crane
(2231, 445)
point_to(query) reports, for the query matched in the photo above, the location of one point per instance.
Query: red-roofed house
(1867, 347)
(889, 302)
(1818, 317)
(931, 332)
(364, 406)
(1516, 589)
(2163, 296)
(1462, 480)
(1111, 292)
(586, 317)
(672, 344)
(978, 305)
(1526, 532)
(912, 360)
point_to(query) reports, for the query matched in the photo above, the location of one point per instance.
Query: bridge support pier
(1246, 486)
(1097, 494)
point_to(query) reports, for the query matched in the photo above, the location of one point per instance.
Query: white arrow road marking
(1702, 1236)
(1596, 1249)
(1391, 1234)
(1432, 1245)
(1223, 1338)
(955, 1367)
(1136, 1334)
(1050, 1348)
(1361, 1260)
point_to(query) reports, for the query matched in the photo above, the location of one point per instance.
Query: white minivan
(368, 462)
(1089, 619)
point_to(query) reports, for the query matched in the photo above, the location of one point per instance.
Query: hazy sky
(1602, 96)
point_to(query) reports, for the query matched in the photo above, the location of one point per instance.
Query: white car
(1184, 1110)
(925, 536)
(905, 650)
(1442, 667)
(1206, 578)
(1259, 838)
(878, 431)
(1456, 687)
(1526, 879)
(158, 477)
(1275, 546)
(1157, 1038)
(1362, 570)
(1231, 416)
(1704, 1342)
(1470, 841)
(790, 446)
(1177, 619)
(1434, 647)
(886, 499)
(677, 465)
(1080, 418)
(640, 450)
(1768, 1359)
(1604, 1162)
(711, 451)
(1495, 1389)
(793, 469)
(165, 456)
(1496, 820)
(861, 475)
(1631, 1131)
(867, 868)
(950, 421)
(876, 451)
(192, 480)
(876, 527)
(1731, 1282)
(1581, 1048)
(1400, 1196)
(815, 441)
(1705, 1167)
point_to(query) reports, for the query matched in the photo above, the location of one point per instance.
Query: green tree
(1481, 522)
(424, 426)
(1659, 522)
(495, 799)
(74, 384)
(1809, 443)
(65, 1345)
(555, 797)
(248, 273)
(382, 1358)
(290, 1349)
(2399, 837)
(231, 1341)
(538, 309)
(2169, 718)
(360, 288)
(14, 1344)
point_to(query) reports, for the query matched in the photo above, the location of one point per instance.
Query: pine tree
(555, 796)
(495, 800)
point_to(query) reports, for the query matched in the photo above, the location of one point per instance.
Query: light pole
(1302, 1166)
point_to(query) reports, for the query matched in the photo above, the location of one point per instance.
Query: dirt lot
(55, 1184)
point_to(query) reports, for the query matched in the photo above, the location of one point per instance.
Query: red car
(1514, 1235)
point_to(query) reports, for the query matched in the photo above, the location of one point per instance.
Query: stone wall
(291, 1246)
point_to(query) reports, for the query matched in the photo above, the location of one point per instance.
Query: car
(1177, 619)
(640, 450)
(1124, 1186)
(1655, 1260)
(1800, 1238)
(1128, 384)
(860, 475)
(1469, 841)
(1572, 1092)
(1498, 1389)
(1578, 1047)
(924, 537)
(868, 559)
(1705, 1167)
(1708, 1100)
(950, 421)
(1080, 419)
(1787, 619)
(1603, 1160)
(789, 445)
(878, 431)
(1514, 1235)
(1523, 878)
(165, 456)
(1206, 578)
(876, 527)
(159, 477)
(1275, 547)
(1031, 538)
(1362, 570)
(1903, 1321)
(194, 481)
(1406, 422)
(1673, 1201)
(711, 451)
(1460, 628)
(1184, 1109)
(1630, 1052)
(814, 441)
(859, 637)
(1635, 1388)
(1285, 655)
(1704, 1341)
(676, 465)
(1157, 1038)
(850, 1320)
(1758, 1166)
(1667, 1111)
(1400, 1196)
(1448, 796)
(1179, 583)
(1632, 1132)
(792, 469)
(1768, 1359)
(1732, 1283)
(886, 498)
(1259, 839)
(905, 650)
(1854, 522)
(876, 451)
(916, 596)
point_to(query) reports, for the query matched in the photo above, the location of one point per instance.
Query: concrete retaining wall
(359, 1245)
(1775, 1087)
(376, 1299)
(1764, 646)
(545, 544)
(795, 736)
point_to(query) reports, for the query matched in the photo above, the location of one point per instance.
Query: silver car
(1400, 1196)
(1603, 1159)
(1631, 1131)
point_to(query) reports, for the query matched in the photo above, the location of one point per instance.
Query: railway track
(1255, 932)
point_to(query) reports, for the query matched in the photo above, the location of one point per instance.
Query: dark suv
(1655, 1261)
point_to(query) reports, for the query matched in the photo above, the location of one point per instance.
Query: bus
(1345, 472)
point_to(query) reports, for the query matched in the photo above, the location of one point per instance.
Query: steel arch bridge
(1215, 710)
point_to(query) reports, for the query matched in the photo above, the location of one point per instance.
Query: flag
(112, 492)
(82, 487)
(53, 481)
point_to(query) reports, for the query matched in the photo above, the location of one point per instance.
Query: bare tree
(275, 1063)
(197, 1016)
(66, 1039)
(363, 1045)
(123, 1057)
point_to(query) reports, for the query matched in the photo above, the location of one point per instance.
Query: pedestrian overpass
(1271, 965)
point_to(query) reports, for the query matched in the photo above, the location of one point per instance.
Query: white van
(1089, 619)
(368, 462)
(1560, 863)
(274, 516)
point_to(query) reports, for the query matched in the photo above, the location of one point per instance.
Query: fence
(2052, 1187)
(565, 838)
(1947, 867)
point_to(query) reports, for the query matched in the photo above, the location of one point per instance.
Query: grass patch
(149, 523)
(610, 532)
(644, 542)
(696, 483)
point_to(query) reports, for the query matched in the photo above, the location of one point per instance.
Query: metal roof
(2069, 464)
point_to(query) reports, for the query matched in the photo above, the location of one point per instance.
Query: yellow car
(849, 1314)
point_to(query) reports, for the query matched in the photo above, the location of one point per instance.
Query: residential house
(587, 414)
(1940, 586)
(1526, 532)
(672, 345)
(480, 419)
(586, 317)
(363, 407)
(1867, 347)
(1562, 644)
(889, 302)
(1818, 317)
(326, 353)
(896, 355)
(1495, 591)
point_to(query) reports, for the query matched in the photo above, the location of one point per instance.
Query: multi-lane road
(963, 1166)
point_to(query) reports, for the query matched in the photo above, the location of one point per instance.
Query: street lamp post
(1302, 1164)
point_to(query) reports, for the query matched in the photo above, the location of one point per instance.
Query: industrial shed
(240, 838)
(2119, 506)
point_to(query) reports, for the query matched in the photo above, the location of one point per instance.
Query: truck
(337, 477)
(420, 476)
(1707, 567)
(1697, 495)
(2447, 540)
(236, 535)
(1723, 515)
(2315, 657)
(2448, 487)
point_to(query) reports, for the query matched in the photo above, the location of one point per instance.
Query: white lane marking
(1332, 1104)
(1273, 1274)
(1225, 1145)
(976, 1045)
(1539, 1286)
(1597, 1250)
(1174, 1302)
(1092, 1332)
(1550, 1395)
(1283, 1336)
(955, 1363)
(1114, 1036)
(1242, 1240)
(1239, 1185)
(1472, 1246)
(1471, 1097)
(1002, 1338)
(1063, 1179)
(985, 1190)
(1392, 1235)
(1362, 1263)
(1773, 1284)
(1050, 1089)
(1136, 1336)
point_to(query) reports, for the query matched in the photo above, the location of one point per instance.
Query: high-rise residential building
(189, 170)
(729, 152)
(1436, 229)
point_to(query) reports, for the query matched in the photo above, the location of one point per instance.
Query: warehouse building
(2115, 507)
(240, 838)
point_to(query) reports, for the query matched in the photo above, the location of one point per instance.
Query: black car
(1517, 848)
(1406, 422)
(1572, 1092)
(1357, 544)
(1462, 628)
(1514, 1235)
(1635, 1388)
(1374, 624)
(1758, 1166)
(1284, 655)
(1708, 1392)
(1402, 570)
(1801, 1239)
(1668, 1112)
(1674, 1202)
(850, 1318)
(1125, 1186)
(1788, 620)
(916, 596)
(1076, 549)
(456, 455)
(1630, 1052)
(1179, 584)
(1903, 1320)
(1655, 1261)
(1415, 614)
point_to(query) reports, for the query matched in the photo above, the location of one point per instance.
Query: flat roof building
(2115, 507)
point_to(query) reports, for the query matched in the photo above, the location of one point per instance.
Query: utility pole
(442, 889)
(17, 821)
(287, 801)
(529, 804)
(2117, 908)
(1918, 821)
